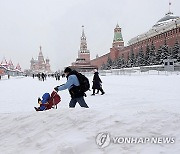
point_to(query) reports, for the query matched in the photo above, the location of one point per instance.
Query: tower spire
(83, 35)
(83, 53)
(117, 26)
(83, 45)
(169, 8)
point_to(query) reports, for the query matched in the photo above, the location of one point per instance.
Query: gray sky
(56, 26)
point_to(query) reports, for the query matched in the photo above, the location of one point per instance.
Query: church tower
(48, 65)
(83, 53)
(41, 59)
(118, 42)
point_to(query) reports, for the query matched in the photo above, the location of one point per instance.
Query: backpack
(54, 100)
(83, 81)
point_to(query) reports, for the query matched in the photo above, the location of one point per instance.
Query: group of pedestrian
(73, 85)
(57, 76)
(77, 84)
(41, 76)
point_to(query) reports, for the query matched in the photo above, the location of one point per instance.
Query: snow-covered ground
(138, 105)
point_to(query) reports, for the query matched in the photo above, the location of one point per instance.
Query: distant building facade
(167, 29)
(8, 68)
(40, 65)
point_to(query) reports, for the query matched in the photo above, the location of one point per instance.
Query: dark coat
(96, 81)
(75, 91)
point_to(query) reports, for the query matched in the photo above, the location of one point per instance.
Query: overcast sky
(56, 26)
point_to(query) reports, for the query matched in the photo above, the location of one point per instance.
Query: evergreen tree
(123, 63)
(158, 58)
(132, 58)
(109, 63)
(165, 51)
(114, 64)
(103, 67)
(119, 63)
(137, 59)
(147, 56)
(128, 62)
(141, 58)
(152, 54)
(176, 51)
(170, 53)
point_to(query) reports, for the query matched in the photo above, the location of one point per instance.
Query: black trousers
(102, 91)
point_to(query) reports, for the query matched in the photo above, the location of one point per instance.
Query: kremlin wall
(166, 29)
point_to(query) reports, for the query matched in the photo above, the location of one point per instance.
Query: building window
(166, 63)
(170, 63)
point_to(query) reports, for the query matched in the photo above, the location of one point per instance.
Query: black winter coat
(96, 81)
(75, 91)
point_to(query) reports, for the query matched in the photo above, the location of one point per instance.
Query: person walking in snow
(97, 83)
(73, 85)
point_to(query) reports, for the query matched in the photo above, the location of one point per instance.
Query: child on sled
(48, 101)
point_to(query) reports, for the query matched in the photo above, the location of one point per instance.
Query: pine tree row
(151, 56)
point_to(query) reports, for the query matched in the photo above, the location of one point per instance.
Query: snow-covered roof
(168, 22)
(4, 62)
(168, 17)
(18, 67)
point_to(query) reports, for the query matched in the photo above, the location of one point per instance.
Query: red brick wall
(98, 62)
(158, 40)
(86, 56)
(113, 53)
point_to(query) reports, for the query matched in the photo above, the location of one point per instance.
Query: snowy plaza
(134, 105)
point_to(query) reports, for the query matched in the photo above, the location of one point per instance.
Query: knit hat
(67, 70)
